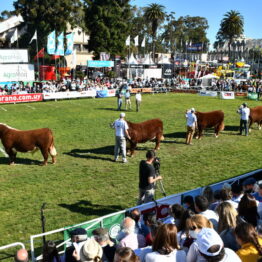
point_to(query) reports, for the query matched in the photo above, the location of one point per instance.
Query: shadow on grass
(175, 135)
(87, 153)
(87, 208)
(20, 161)
(108, 109)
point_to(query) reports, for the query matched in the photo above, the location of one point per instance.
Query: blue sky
(212, 10)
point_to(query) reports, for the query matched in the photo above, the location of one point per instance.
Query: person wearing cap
(211, 247)
(244, 111)
(249, 184)
(121, 132)
(78, 237)
(191, 122)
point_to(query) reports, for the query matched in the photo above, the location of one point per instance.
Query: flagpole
(38, 67)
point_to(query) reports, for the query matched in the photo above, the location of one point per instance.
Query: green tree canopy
(108, 22)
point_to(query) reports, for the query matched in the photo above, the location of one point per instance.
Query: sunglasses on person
(193, 228)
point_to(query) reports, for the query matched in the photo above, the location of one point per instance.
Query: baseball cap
(193, 109)
(78, 231)
(207, 238)
(122, 115)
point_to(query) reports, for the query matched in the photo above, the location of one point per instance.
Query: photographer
(147, 178)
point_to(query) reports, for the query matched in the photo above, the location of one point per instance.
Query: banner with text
(227, 95)
(17, 72)
(72, 94)
(97, 63)
(21, 98)
(8, 56)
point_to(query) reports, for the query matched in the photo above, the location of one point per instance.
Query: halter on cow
(145, 131)
(15, 140)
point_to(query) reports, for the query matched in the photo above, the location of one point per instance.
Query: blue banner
(51, 43)
(97, 63)
(69, 43)
(60, 45)
(102, 93)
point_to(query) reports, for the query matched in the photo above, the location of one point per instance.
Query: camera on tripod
(156, 164)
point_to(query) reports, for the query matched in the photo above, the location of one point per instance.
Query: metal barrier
(13, 245)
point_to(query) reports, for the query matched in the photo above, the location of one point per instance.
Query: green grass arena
(85, 183)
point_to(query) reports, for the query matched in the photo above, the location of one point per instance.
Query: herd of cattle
(15, 140)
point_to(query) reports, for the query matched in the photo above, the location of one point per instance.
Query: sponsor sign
(17, 72)
(97, 63)
(208, 93)
(240, 94)
(8, 56)
(72, 94)
(142, 90)
(111, 92)
(227, 95)
(167, 71)
(252, 96)
(21, 98)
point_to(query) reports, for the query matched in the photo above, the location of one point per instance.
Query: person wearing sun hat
(91, 251)
(211, 247)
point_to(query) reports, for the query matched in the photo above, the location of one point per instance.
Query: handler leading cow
(15, 140)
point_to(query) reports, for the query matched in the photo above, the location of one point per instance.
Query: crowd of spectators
(102, 83)
(225, 225)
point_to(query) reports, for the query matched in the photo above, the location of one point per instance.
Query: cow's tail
(52, 149)
(162, 138)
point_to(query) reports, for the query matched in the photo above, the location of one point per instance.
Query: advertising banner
(208, 93)
(21, 98)
(97, 63)
(8, 56)
(252, 96)
(227, 95)
(17, 72)
(102, 93)
(72, 94)
(111, 92)
(167, 71)
(240, 94)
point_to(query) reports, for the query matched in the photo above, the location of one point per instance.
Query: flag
(51, 43)
(34, 37)
(136, 40)
(60, 45)
(40, 54)
(69, 43)
(73, 62)
(14, 37)
(143, 44)
(104, 56)
(128, 41)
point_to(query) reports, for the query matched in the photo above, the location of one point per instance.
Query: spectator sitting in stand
(50, 252)
(21, 255)
(131, 239)
(188, 202)
(141, 228)
(249, 184)
(237, 192)
(201, 207)
(226, 195)
(109, 249)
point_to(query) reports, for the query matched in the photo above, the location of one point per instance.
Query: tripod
(160, 184)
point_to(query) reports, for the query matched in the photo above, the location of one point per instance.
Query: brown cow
(15, 140)
(255, 117)
(210, 119)
(145, 131)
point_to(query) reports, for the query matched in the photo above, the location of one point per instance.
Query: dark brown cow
(210, 119)
(15, 140)
(255, 116)
(145, 131)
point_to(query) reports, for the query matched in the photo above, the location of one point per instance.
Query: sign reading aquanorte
(8, 56)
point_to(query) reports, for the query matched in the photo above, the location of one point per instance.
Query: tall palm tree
(231, 26)
(154, 14)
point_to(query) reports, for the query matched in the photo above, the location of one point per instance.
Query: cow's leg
(52, 152)
(259, 125)
(132, 148)
(200, 133)
(158, 139)
(12, 155)
(45, 155)
(250, 124)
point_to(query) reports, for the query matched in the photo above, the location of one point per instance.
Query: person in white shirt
(165, 247)
(138, 100)
(244, 111)
(191, 121)
(121, 132)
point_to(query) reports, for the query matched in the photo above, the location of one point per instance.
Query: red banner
(21, 98)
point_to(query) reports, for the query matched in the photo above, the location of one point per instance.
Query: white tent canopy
(132, 60)
(148, 60)
(164, 60)
(209, 76)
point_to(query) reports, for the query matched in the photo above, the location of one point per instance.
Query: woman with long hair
(226, 224)
(165, 247)
(247, 209)
(250, 242)
(194, 225)
(125, 254)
